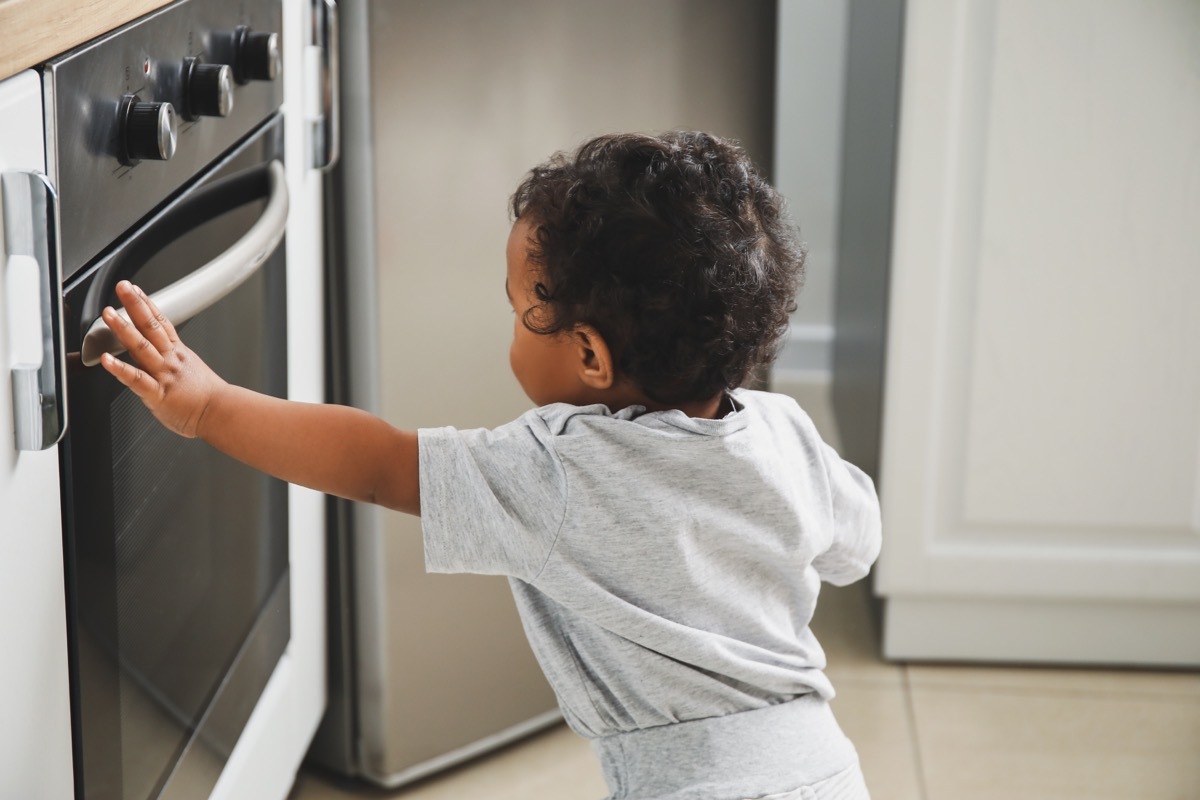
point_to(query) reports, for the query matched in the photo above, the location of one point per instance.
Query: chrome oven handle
(31, 231)
(188, 296)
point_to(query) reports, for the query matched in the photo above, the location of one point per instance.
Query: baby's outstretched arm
(334, 449)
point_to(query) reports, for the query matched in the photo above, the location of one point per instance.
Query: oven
(166, 143)
(177, 556)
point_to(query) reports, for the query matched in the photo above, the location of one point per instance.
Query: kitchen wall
(874, 43)
(810, 85)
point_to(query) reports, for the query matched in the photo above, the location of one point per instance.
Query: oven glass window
(178, 553)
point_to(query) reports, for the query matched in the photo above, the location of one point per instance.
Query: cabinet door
(1041, 451)
(35, 711)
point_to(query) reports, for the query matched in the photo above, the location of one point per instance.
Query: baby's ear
(595, 359)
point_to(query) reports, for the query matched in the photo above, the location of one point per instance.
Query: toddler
(665, 533)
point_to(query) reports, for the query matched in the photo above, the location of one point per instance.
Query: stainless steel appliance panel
(84, 90)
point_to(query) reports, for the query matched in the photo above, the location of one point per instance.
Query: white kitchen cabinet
(1040, 468)
(35, 711)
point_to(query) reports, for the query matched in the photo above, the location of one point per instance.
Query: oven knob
(149, 130)
(207, 89)
(258, 55)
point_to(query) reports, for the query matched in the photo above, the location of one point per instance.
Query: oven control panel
(133, 115)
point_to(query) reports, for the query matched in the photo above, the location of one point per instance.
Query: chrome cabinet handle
(31, 230)
(326, 126)
(190, 295)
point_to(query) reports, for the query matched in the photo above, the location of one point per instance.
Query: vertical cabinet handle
(326, 125)
(31, 232)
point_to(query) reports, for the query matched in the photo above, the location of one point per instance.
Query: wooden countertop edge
(34, 31)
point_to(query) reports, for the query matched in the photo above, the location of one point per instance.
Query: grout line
(911, 711)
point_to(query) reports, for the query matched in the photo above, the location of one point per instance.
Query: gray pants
(790, 751)
(845, 785)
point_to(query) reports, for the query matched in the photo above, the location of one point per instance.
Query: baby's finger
(159, 315)
(143, 351)
(138, 380)
(140, 313)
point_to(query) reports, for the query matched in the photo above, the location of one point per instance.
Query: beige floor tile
(977, 744)
(876, 718)
(847, 629)
(554, 765)
(1056, 679)
(314, 785)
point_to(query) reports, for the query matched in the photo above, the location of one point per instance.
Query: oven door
(177, 556)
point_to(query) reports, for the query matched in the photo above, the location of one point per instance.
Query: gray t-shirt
(665, 568)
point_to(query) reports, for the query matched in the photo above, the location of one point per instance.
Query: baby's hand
(172, 381)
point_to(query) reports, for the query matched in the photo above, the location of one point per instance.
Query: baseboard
(1042, 631)
(807, 351)
(797, 382)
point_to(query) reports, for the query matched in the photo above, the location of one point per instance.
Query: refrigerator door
(444, 671)
(425, 670)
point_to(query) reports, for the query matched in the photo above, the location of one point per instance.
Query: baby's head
(653, 269)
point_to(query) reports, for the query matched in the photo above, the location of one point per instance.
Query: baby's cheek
(514, 360)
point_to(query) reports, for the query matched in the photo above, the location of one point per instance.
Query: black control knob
(207, 89)
(148, 130)
(258, 55)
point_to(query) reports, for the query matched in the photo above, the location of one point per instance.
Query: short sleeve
(854, 512)
(492, 501)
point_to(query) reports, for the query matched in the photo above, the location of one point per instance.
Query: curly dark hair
(674, 248)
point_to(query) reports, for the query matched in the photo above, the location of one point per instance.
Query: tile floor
(924, 732)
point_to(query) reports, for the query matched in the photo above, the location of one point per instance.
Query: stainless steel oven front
(167, 150)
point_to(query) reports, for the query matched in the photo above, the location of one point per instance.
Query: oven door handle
(31, 236)
(191, 295)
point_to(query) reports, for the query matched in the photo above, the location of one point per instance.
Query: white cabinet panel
(1078, 411)
(35, 712)
(1041, 451)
